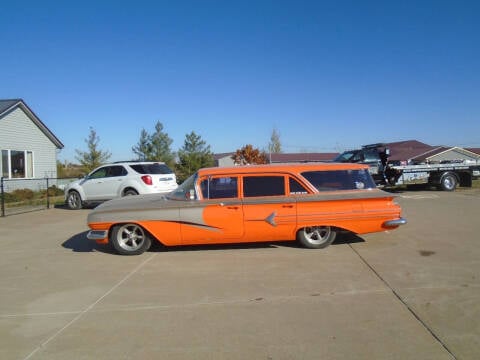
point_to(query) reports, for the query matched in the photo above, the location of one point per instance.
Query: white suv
(120, 179)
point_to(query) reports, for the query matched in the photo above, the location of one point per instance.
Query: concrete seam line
(135, 307)
(88, 308)
(424, 324)
(226, 302)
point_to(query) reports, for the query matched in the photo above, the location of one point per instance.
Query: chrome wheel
(448, 182)
(316, 237)
(130, 237)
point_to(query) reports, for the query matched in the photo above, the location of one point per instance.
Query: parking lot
(412, 293)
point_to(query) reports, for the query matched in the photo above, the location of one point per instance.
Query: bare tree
(275, 146)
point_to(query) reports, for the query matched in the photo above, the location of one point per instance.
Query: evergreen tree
(93, 157)
(143, 149)
(194, 154)
(161, 142)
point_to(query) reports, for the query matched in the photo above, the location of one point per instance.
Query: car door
(270, 213)
(113, 182)
(217, 215)
(103, 183)
(92, 184)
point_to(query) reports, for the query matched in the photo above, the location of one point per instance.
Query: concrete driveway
(413, 293)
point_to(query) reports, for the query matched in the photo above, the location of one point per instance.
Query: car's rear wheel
(130, 192)
(74, 201)
(130, 239)
(316, 237)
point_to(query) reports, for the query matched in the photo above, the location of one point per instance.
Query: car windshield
(186, 191)
(154, 169)
(340, 180)
(345, 156)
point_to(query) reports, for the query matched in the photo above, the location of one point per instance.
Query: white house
(28, 148)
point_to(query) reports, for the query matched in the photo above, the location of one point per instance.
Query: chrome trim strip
(395, 223)
(97, 234)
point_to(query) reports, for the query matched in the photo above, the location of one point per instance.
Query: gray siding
(453, 154)
(225, 161)
(19, 132)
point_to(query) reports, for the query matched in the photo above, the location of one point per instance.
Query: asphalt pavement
(411, 293)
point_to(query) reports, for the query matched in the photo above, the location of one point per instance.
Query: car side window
(263, 185)
(340, 180)
(116, 171)
(100, 173)
(358, 157)
(219, 187)
(295, 187)
(372, 155)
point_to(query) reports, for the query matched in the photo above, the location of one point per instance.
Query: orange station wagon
(309, 203)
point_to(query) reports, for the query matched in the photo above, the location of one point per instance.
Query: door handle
(289, 206)
(232, 207)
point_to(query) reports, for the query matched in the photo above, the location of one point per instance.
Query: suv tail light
(147, 179)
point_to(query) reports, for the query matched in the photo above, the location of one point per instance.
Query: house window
(17, 160)
(29, 164)
(17, 164)
(5, 172)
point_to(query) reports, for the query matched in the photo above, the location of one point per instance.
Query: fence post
(2, 192)
(48, 196)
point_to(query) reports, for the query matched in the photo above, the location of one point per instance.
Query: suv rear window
(340, 180)
(154, 169)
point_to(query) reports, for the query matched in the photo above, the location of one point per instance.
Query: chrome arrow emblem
(271, 219)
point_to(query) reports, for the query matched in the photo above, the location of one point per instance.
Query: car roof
(283, 168)
(136, 162)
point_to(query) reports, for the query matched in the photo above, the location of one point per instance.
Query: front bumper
(97, 235)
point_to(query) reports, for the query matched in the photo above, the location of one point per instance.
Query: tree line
(193, 155)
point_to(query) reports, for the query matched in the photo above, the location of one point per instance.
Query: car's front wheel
(130, 239)
(316, 237)
(74, 201)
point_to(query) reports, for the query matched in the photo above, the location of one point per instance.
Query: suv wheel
(74, 201)
(130, 192)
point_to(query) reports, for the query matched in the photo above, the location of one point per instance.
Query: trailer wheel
(448, 182)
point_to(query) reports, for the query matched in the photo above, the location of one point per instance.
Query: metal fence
(24, 195)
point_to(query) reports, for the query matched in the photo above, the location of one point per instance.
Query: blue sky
(328, 75)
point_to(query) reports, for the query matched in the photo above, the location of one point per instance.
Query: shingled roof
(301, 157)
(409, 149)
(474, 150)
(9, 105)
